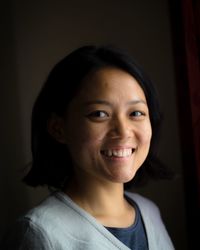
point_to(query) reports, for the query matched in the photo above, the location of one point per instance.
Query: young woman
(94, 130)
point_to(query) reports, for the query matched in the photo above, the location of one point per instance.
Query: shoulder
(24, 234)
(39, 227)
(29, 230)
(47, 209)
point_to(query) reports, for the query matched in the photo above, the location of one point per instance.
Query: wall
(36, 34)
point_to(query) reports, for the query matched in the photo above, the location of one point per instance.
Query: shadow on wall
(11, 155)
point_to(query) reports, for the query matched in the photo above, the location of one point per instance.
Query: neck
(103, 200)
(96, 196)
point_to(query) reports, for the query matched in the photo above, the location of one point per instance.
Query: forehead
(110, 82)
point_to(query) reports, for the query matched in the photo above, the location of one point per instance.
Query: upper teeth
(118, 153)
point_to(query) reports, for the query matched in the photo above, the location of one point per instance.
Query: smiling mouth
(119, 153)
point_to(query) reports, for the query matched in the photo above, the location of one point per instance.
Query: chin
(123, 178)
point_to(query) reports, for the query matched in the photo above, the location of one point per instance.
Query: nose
(120, 128)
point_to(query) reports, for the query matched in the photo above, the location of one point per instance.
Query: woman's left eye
(137, 113)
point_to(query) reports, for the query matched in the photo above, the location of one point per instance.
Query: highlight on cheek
(148, 134)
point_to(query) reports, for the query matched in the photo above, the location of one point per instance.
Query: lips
(119, 153)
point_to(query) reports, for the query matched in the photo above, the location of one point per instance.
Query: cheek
(92, 138)
(84, 145)
(86, 137)
(145, 136)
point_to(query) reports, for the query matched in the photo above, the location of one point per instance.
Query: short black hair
(51, 162)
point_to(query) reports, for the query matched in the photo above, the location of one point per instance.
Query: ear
(55, 127)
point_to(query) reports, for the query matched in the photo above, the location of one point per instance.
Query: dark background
(34, 36)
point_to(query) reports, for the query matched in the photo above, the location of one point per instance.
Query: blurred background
(37, 34)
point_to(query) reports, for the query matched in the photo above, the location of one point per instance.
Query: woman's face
(107, 127)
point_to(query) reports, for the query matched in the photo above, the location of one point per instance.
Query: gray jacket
(59, 224)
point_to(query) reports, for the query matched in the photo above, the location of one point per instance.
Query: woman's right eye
(98, 114)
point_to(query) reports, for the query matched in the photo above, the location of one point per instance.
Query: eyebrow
(107, 103)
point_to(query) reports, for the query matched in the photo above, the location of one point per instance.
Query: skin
(109, 114)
